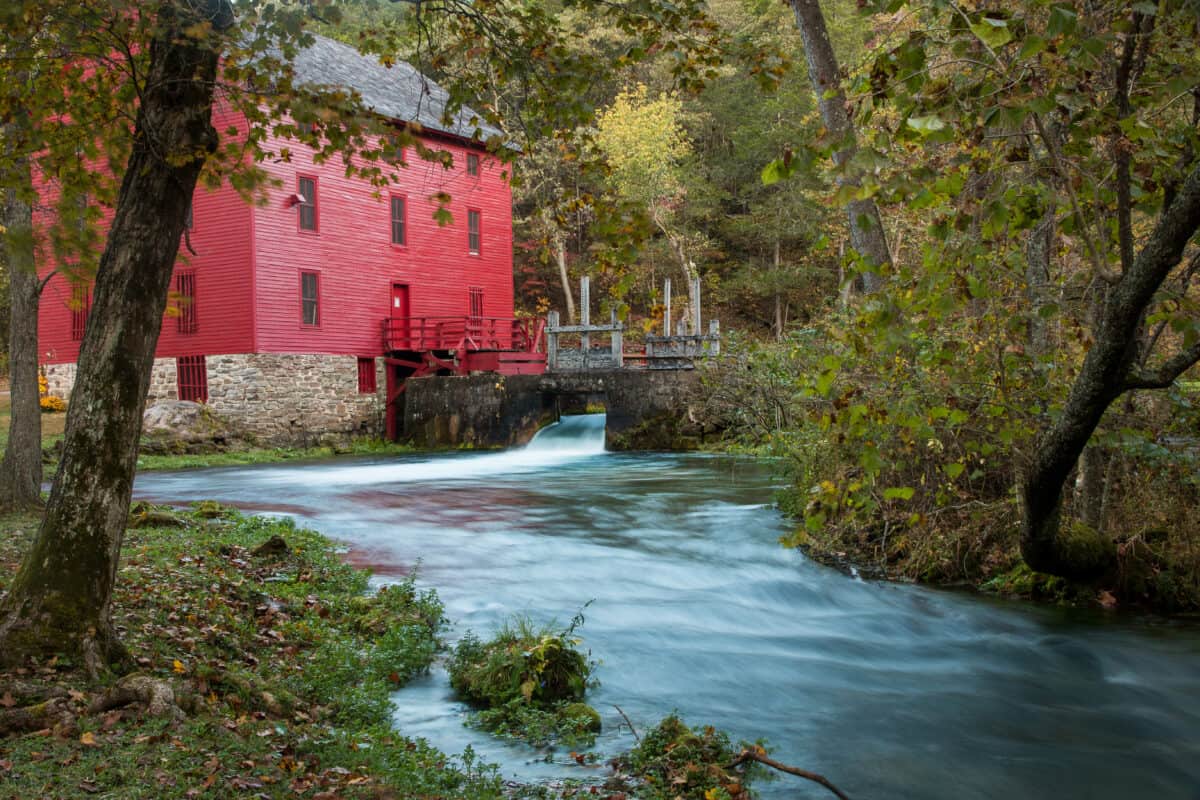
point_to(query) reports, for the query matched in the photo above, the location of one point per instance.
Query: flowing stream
(891, 691)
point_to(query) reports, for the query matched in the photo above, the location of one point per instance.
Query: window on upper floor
(398, 227)
(307, 204)
(192, 377)
(472, 164)
(366, 375)
(310, 298)
(185, 289)
(81, 306)
(474, 220)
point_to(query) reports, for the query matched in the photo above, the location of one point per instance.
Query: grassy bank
(277, 664)
(268, 455)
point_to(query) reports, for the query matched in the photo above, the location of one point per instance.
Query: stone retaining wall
(647, 409)
(278, 399)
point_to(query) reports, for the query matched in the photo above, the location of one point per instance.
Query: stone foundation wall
(59, 379)
(295, 399)
(647, 409)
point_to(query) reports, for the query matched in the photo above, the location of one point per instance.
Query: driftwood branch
(750, 754)
(628, 722)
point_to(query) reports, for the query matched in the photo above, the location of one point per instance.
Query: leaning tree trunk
(560, 256)
(21, 469)
(1104, 376)
(866, 228)
(60, 598)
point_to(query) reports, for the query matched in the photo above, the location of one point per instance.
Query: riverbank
(275, 666)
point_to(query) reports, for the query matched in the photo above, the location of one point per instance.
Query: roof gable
(399, 92)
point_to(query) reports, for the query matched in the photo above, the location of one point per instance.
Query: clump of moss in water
(676, 761)
(529, 684)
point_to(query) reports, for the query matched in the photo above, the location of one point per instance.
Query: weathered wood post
(714, 333)
(552, 340)
(618, 354)
(585, 316)
(696, 307)
(666, 307)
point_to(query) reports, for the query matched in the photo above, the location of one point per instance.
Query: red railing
(424, 334)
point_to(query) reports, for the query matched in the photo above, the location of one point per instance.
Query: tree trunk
(1039, 249)
(778, 296)
(1093, 477)
(21, 469)
(60, 598)
(560, 255)
(866, 228)
(1104, 376)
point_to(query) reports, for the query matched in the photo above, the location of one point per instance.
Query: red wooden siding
(245, 277)
(222, 283)
(353, 250)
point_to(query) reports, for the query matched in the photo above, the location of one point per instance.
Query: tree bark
(560, 255)
(21, 469)
(61, 596)
(1104, 376)
(867, 236)
(1039, 249)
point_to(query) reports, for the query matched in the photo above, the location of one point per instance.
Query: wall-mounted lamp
(296, 199)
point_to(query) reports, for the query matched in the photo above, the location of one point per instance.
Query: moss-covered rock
(582, 716)
(529, 684)
(538, 666)
(1086, 551)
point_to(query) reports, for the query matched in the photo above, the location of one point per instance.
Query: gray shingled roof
(398, 92)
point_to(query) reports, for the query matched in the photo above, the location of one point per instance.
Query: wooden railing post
(585, 315)
(696, 307)
(552, 340)
(666, 307)
(618, 354)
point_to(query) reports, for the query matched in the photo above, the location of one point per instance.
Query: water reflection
(893, 691)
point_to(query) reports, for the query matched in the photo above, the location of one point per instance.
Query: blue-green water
(891, 691)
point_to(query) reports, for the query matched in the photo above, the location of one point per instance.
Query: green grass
(268, 455)
(286, 667)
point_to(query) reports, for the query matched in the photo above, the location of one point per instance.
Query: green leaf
(926, 125)
(898, 493)
(1032, 45)
(954, 470)
(775, 171)
(992, 32)
(1062, 21)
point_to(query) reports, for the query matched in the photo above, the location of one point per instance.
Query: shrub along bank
(528, 684)
(904, 470)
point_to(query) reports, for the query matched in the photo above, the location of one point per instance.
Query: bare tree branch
(750, 754)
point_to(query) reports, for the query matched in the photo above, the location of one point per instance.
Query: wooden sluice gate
(672, 350)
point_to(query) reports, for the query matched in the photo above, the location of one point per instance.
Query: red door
(400, 330)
